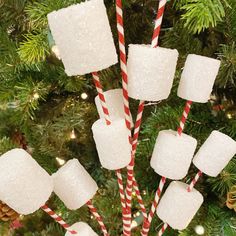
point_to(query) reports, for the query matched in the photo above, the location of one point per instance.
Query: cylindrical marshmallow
(77, 33)
(177, 207)
(25, 186)
(198, 78)
(112, 142)
(82, 229)
(115, 104)
(215, 153)
(173, 154)
(73, 185)
(151, 72)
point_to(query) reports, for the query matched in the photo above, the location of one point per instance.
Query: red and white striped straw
(123, 62)
(118, 173)
(194, 181)
(126, 217)
(163, 229)
(101, 96)
(184, 117)
(158, 23)
(140, 199)
(99, 219)
(58, 219)
(147, 223)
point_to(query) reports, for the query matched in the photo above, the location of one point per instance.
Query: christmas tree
(50, 114)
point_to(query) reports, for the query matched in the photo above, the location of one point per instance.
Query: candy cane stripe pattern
(163, 229)
(58, 219)
(123, 62)
(101, 97)
(140, 199)
(99, 219)
(184, 117)
(194, 181)
(146, 226)
(158, 23)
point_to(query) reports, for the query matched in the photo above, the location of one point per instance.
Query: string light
(199, 229)
(36, 96)
(60, 161)
(84, 96)
(72, 135)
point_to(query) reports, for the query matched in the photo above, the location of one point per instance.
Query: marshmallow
(25, 186)
(114, 149)
(73, 185)
(173, 154)
(151, 72)
(215, 153)
(177, 207)
(82, 229)
(114, 102)
(198, 78)
(83, 36)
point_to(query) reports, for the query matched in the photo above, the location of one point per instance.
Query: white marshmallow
(115, 104)
(215, 153)
(25, 186)
(82, 229)
(73, 185)
(198, 78)
(177, 207)
(83, 36)
(151, 72)
(173, 154)
(114, 149)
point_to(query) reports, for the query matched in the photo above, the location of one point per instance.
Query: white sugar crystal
(83, 229)
(173, 154)
(215, 153)
(151, 72)
(198, 78)
(177, 207)
(115, 104)
(73, 185)
(114, 149)
(83, 36)
(25, 186)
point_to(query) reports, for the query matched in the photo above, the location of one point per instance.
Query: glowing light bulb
(36, 96)
(72, 135)
(84, 96)
(199, 229)
(60, 161)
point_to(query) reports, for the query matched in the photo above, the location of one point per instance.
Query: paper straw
(99, 219)
(58, 219)
(184, 117)
(119, 176)
(194, 181)
(163, 229)
(147, 223)
(140, 199)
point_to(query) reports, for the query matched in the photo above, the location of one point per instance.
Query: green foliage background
(28, 67)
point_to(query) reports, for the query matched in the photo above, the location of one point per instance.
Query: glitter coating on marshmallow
(173, 154)
(198, 78)
(177, 206)
(151, 72)
(82, 229)
(73, 185)
(114, 149)
(115, 104)
(83, 36)
(215, 153)
(25, 186)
